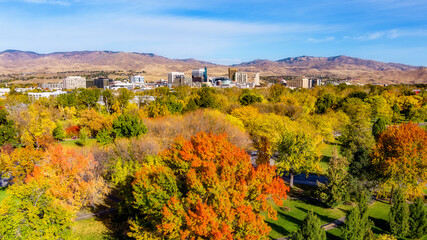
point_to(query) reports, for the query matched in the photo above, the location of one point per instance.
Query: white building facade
(173, 76)
(74, 82)
(137, 79)
(241, 77)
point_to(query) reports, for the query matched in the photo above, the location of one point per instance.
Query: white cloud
(320, 40)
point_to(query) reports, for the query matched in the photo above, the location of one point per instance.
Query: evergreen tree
(7, 128)
(311, 229)
(357, 224)
(379, 126)
(399, 214)
(361, 166)
(418, 218)
(335, 192)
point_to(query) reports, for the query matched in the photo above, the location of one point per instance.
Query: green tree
(29, 212)
(310, 229)
(83, 136)
(108, 99)
(104, 137)
(124, 97)
(128, 126)
(297, 154)
(357, 223)
(248, 98)
(379, 126)
(418, 218)
(324, 103)
(336, 191)
(59, 133)
(399, 214)
(361, 166)
(207, 98)
(7, 128)
(89, 97)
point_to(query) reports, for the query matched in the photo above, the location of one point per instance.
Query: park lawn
(2, 193)
(379, 214)
(290, 220)
(71, 144)
(90, 229)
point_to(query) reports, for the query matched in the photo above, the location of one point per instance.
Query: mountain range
(157, 67)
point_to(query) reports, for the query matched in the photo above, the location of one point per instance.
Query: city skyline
(220, 31)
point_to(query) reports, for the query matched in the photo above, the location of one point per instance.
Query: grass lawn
(90, 229)
(2, 193)
(379, 214)
(290, 220)
(71, 144)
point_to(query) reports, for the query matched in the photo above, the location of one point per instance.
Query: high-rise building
(101, 82)
(172, 76)
(240, 77)
(137, 79)
(74, 82)
(256, 79)
(199, 75)
(231, 72)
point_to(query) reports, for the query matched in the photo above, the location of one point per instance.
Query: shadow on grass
(330, 236)
(320, 216)
(381, 226)
(116, 223)
(278, 229)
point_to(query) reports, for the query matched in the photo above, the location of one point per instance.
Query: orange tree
(204, 188)
(400, 156)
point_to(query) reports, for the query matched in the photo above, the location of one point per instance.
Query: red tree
(205, 188)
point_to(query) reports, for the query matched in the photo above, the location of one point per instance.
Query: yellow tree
(39, 123)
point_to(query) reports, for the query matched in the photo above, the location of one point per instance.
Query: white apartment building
(172, 76)
(37, 95)
(74, 82)
(4, 91)
(299, 83)
(137, 79)
(256, 79)
(241, 77)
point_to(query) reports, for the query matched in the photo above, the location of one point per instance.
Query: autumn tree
(19, 163)
(297, 154)
(39, 125)
(45, 202)
(400, 157)
(310, 229)
(204, 188)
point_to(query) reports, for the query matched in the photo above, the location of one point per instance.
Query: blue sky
(221, 31)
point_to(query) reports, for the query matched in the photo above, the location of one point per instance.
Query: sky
(221, 31)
